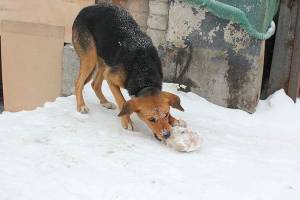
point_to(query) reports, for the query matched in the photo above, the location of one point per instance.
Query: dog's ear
(174, 100)
(129, 107)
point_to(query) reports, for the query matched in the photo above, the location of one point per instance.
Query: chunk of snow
(184, 139)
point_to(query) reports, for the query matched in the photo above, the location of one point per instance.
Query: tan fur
(116, 77)
(97, 82)
(115, 80)
(88, 62)
(157, 107)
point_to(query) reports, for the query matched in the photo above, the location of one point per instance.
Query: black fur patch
(148, 91)
(120, 42)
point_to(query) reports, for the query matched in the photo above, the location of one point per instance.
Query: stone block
(158, 8)
(158, 22)
(166, 1)
(138, 5)
(157, 36)
(70, 70)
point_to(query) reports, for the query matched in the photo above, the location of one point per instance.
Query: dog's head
(154, 111)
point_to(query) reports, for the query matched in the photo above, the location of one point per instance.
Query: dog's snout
(166, 134)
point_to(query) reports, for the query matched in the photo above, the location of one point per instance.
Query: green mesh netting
(255, 16)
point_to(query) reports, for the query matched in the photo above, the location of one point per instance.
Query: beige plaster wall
(31, 64)
(51, 12)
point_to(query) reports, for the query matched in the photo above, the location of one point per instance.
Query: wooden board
(294, 82)
(285, 63)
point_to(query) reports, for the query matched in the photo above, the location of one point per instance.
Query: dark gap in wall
(269, 48)
(1, 85)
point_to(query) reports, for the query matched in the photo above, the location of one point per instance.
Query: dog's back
(113, 30)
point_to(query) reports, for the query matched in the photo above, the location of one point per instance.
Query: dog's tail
(82, 38)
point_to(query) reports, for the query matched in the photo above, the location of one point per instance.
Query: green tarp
(255, 16)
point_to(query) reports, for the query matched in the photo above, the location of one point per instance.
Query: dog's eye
(152, 119)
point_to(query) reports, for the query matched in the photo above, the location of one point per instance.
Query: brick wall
(158, 20)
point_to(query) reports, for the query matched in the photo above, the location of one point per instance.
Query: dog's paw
(83, 109)
(180, 123)
(127, 123)
(109, 105)
(130, 127)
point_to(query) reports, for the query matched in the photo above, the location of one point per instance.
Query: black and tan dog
(111, 45)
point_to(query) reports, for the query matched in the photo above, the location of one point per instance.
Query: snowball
(183, 139)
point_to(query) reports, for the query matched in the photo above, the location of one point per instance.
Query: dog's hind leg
(87, 65)
(88, 61)
(97, 85)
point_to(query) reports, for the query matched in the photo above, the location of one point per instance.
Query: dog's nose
(166, 134)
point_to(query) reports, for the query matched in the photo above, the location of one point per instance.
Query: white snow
(55, 153)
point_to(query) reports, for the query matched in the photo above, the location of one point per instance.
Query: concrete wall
(215, 58)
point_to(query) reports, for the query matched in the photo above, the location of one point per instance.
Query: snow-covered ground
(55, 153)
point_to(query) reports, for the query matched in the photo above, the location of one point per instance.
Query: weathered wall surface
(213, 57)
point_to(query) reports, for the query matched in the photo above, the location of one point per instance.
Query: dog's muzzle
(166, 134)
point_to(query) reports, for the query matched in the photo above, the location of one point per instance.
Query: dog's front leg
(125, 120)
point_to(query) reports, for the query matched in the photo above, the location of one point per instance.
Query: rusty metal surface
(294, 81)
